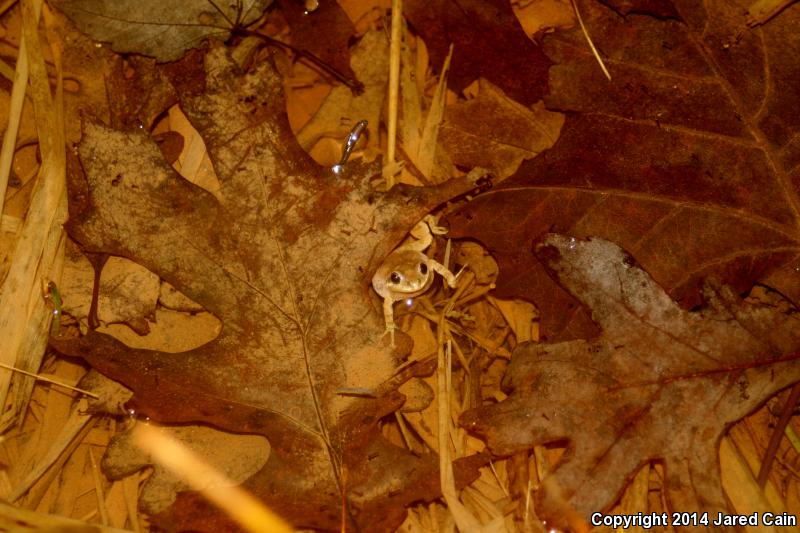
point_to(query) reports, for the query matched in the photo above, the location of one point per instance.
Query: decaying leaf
(494, 132)
(123, 458)
(283, 256)
(488, 43)
(127, 292)
(660, 383)
(687, 158)
(342, 109)
(325, 32)
(157, 28)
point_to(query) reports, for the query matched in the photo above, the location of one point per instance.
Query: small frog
(407, 272)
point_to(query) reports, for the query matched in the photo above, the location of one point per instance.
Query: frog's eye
(395, 278)
(423, 268)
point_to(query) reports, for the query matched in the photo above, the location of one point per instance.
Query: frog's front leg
(388, 316)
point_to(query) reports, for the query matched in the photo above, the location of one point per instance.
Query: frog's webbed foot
(390, 331)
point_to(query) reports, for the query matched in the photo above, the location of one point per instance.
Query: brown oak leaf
(163, 30)
(326, 32)
(660, 383)
(494, 132)
(688, 158)
(282, 255)
(488, 43)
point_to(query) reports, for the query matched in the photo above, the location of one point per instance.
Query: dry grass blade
(464, 519)
(20, 79)
(39, 250)
(589, 40)
(426, 154)
(740, 483)
(739, 460)
(76, 426)
(390, 168)
(98, 489)
(22, 520)
(46, 379)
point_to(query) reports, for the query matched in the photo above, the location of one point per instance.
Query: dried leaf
(660, 383)
(325, 32)
(283, 256)
(128, 292)
(159, 29)
(686, 158)
(341, 110)
(489, 43)
(494, 132)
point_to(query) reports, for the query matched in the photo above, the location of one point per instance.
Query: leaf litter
(478, 372)
(685, 159)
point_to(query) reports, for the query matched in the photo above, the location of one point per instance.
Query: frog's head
(409, 273)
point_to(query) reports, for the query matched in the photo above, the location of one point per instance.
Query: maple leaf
(687, 158)
(660, 383)
(283, 255)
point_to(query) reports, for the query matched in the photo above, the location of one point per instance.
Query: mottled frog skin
(407, 272)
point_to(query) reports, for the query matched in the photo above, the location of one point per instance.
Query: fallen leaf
(342, 109)
(660, 384)
(687, 158)
(761, 11)
(537, 16)
(163, 30)
(658, 8)
(494, 132)
(127, 292)
(283, 257)
(489, 43)
(123, 458)
(324, 32)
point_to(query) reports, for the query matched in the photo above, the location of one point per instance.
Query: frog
(407, 272)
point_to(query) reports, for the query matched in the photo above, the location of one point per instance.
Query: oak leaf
(687, 158)
(488, 41)
(163, 30)
(660, 383)
(283, 255)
